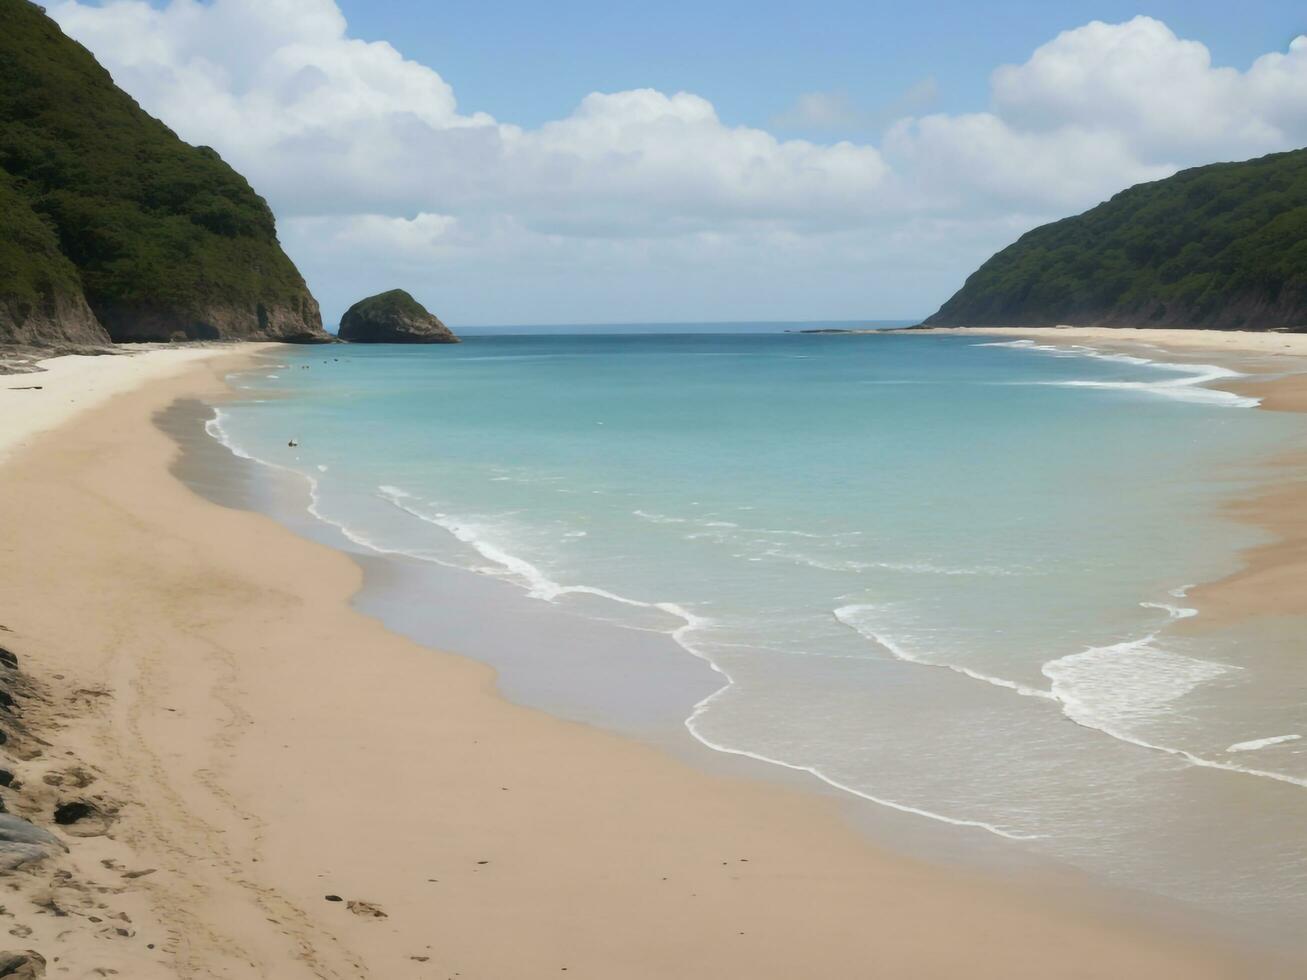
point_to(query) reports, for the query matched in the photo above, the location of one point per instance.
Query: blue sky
(531, 62)
(583, 162)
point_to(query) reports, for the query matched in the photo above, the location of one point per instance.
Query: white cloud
(323, 122)
(373, 168)
(1160, 93)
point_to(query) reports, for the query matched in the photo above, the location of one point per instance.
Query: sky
(583, 162)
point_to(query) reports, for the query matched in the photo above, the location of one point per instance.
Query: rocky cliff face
(1222, 247)
(41, 298)
(393, 317)
(62, 320)
(103, 208)
(297, 321)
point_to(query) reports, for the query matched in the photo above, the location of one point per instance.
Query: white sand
(1235, 341)
(76, 383)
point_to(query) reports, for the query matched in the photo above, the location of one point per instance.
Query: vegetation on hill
(163, 237)
(1222, 246)
(41, 296)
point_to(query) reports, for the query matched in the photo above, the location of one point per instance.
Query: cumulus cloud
(1159, 93)
(325, 122)
(1099, 108)
(372, 166)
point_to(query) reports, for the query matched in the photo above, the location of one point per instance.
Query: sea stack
(393, 317)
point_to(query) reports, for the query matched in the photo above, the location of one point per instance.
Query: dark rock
(8, 659)
(6, 777)
(22, 842)
(334, 898)
(86, 816)
(73, 811)
(394, 317)
(25, 965)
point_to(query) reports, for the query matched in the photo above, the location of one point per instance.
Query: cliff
(1221, 247)
(41, 298)
(154, 238)
(393, 317)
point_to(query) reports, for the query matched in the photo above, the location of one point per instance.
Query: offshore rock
(393, 317)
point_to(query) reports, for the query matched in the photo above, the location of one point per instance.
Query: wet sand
(1273, 580)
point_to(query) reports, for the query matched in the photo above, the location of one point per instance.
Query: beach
(312, 795)
(1231, 341)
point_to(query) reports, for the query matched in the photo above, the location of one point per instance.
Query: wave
(543, 587)
(1174, 612)
(858, 617)
(1185, 389)
(1125, 683)
(215, 428)
(1191, 387)
(218, 431)
(539, 585)
(912, 567)
(838, 784)
(1261, 743)
(653, 518)
(1106, 689)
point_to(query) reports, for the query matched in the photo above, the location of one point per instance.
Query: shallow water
(940, 573)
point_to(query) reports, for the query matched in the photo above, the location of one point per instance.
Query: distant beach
(1234, 341)
(313, 795)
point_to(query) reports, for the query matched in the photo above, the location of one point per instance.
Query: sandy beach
(1231, 341)
(282, 788)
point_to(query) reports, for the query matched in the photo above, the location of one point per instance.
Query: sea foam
(1191, 387)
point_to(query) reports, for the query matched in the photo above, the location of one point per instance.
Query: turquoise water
(938, 572)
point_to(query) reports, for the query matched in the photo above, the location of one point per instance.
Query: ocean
(946, 575)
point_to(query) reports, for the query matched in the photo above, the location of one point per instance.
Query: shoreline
(1269, 584)
(228, 618)
(1232, 341)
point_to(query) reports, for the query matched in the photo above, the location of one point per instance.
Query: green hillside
(41, 299)
(164, 237)
(1223, 246)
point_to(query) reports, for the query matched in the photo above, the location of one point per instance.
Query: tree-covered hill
(102, 201)
(1222, 246)
(41, 298)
